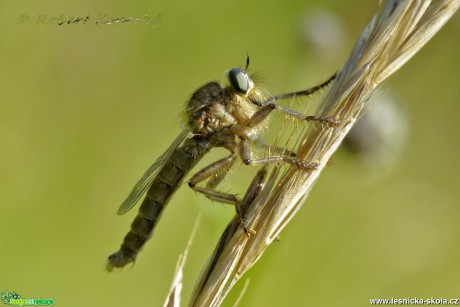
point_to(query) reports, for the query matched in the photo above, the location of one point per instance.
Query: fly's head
(244, 91)
(245, 96)
(240, 81)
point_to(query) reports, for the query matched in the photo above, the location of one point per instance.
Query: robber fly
(230, 117)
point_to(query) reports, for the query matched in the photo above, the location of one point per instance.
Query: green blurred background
(85, 108)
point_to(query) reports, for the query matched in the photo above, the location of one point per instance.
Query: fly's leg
(275, 149)
(213, 174)
(253, 191)
(308, 91)
(245, 154)
(268, 106)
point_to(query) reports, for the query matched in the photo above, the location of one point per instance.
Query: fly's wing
(146, 181)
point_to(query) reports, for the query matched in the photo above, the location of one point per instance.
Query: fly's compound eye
(239, 80)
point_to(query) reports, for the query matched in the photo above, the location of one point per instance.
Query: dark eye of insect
(239, 80)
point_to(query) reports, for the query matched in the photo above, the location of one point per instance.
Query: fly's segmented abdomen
(163, 187)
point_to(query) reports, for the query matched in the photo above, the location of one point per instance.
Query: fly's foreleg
(307, 92)
(268, 106)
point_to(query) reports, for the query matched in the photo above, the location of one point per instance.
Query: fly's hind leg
(252, 192)
(213, 174)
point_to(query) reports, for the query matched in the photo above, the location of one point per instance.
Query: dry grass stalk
(394, 35)
(174, 295)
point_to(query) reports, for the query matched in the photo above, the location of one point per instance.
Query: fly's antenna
(247, 62)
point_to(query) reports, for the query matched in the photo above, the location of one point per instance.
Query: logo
(14, 299)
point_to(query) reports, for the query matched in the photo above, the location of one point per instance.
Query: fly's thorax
(245, 133)
(220, 117)
(199, 105)
(240, 108)
(224, 138)
(212, 119)
(206, 109)
(206, 95)
(213, 108)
